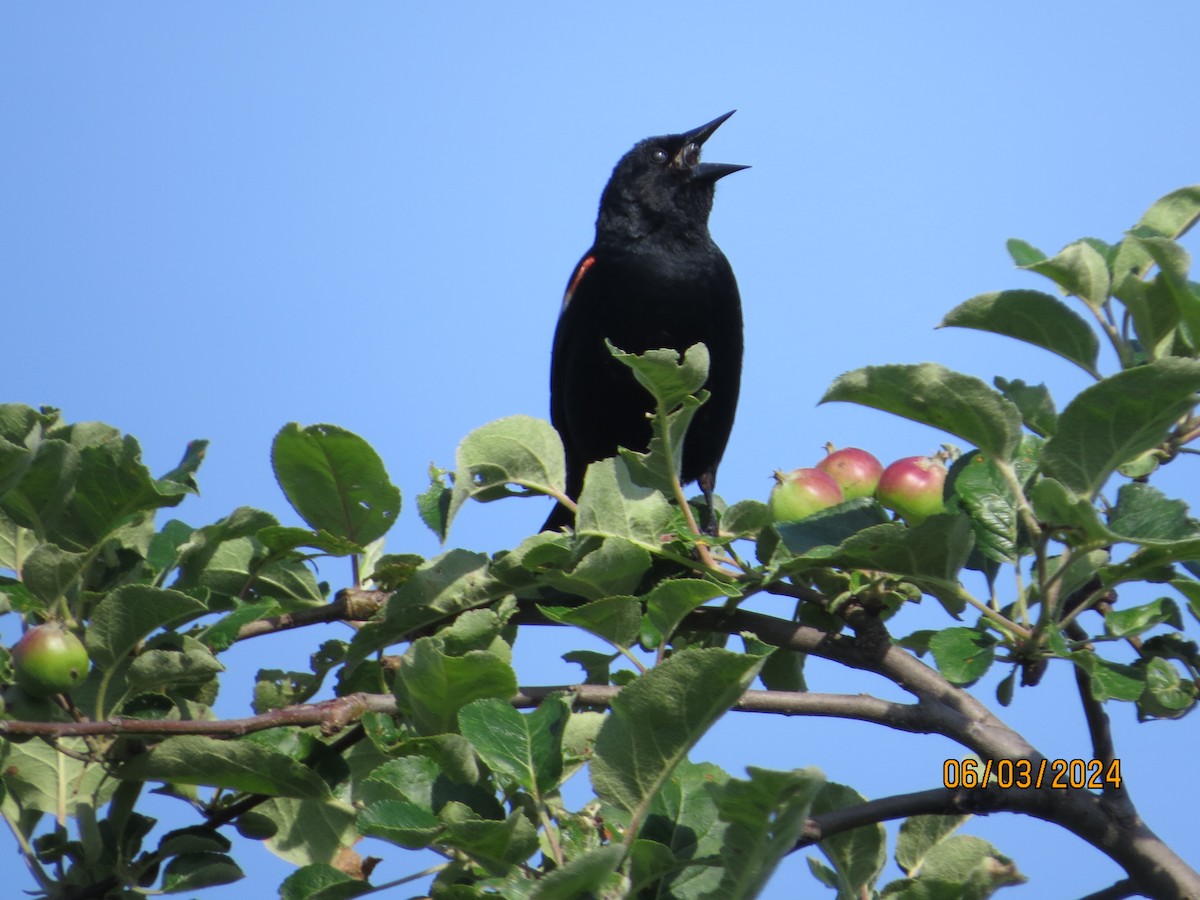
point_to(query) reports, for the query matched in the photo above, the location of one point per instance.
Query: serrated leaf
(321, 881)
(1110, 680)
(919, 835)
(131, 613)
(1118, 418)
(1166, 695)
(1032, 317)
(431, 687)
(858, 855)
(963, 655)
(612, 503)
(668, 375)
(194, 871)
(1125, 623)
(830, 527)
(400, 822)
(335, 481)
(1145, 514)
(526, 747)
(513, 456)
(937, 549)
(1035, 403)
(433, 504)
(936, 396)
(1172, 215)
(1023, 253)
(235, 765)
(439, 589)
(583, 876)
(671, 601)
(613, 619)
(660, 716)
(1078, 269)
(765, 816)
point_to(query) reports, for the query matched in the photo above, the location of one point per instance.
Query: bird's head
(662, 186)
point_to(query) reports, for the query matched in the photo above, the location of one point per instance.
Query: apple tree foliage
(428, 741)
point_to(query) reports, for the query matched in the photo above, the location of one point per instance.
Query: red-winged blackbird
(653, 278)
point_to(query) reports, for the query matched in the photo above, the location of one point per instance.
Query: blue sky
(218, 218)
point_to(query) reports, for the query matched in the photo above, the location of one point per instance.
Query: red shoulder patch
(580, 271)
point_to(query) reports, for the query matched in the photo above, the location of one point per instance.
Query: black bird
(653, 278)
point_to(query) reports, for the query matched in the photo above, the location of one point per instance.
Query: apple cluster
(912, 487)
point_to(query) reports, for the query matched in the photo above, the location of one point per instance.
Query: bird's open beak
(694, 139)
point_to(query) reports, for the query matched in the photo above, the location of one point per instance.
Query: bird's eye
(659, 156)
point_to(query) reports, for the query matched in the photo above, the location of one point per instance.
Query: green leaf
(1110, 680)
(613, 619)
(671, 601)
(524, 747)
(47, 481)
(433, 504)
(858, 855)
(49, 572)
(182, 479)
(1059, 509)
(1173, 214)
(766, 816)
(937, 549)
(1035, 403)
(1145, 514)
(111, 487)
(936, 396)
(1032, 317)
(400, 822)
(1125, 623)
(1078, 269)
(1118, 418)
(669, 376)
(321, 881)
(131, 613)
(986, 496)
(683, 817)
(310, 831)
(514, 456)
(611, 503)
(176, 660)
(583, 876)
(281, 539)
(194, 871)
(660, 716)
(963, 655)
(605, 567)
(335, 481)
(919, 836)
(830, 527)
(496, 845)
(746, 518)
(237, 765)
(961, 867)
(441, 588)
(1024, 253)
(1166, 695)
(432, 687)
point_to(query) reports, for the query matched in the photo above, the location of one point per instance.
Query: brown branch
(1119, 891)
(331, 715)
(350, 605)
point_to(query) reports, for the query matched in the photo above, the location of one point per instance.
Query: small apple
(800, 493)
(856, 471)
(912, 488)
(49, 660)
